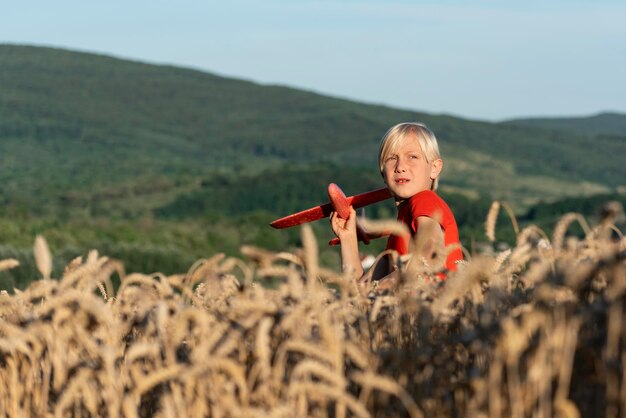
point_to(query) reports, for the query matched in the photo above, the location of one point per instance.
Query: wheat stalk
(8, 264)
(43, 257)
(492, 218)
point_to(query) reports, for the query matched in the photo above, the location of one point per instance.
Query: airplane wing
(323, 211)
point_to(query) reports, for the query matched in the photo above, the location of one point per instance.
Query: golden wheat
(536, 330)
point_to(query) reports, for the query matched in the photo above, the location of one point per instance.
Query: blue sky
(487, 60)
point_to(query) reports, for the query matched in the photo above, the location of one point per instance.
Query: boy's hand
(344, 228)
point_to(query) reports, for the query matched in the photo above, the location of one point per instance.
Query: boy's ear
(435, 168)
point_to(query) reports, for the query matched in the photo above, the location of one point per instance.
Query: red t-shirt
(427, 203)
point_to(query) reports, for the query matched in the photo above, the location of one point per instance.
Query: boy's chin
(403, 193)
(400, 196)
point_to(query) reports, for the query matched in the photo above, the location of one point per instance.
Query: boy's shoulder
(428, 203)
(427, 198)
(425, 195)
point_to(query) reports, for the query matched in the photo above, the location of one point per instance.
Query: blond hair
(396, 135)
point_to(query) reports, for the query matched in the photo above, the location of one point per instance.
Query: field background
(158, 166)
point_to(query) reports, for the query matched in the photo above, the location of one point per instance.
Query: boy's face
(406, 171)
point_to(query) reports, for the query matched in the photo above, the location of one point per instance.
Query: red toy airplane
(339, 203)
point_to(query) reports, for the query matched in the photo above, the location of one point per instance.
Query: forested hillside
(155, 163)
(607, 123)
(96, 127)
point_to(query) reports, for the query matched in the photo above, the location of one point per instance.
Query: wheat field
(537, 330)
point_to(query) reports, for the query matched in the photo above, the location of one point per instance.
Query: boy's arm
(429, 238)
(345, 229)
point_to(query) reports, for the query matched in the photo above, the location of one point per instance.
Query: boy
(410, 164)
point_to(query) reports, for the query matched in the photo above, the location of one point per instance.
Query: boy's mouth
(401, 181)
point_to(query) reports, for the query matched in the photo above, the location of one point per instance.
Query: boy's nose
(399, 166)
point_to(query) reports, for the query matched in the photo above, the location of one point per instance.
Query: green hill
(80, 129)
(156, 163)
(607, 123)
